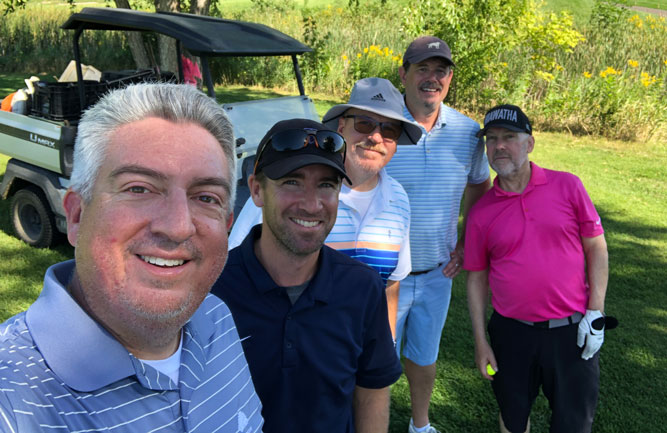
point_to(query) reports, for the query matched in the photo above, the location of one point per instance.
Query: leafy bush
(506, 51)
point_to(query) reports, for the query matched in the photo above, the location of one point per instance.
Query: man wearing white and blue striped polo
(126, 336)
(447, 162)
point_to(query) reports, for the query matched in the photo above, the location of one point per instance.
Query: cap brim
(411, 130)
(482, 132)
(285, 166)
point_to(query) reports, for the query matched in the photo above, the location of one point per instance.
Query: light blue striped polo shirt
(380, 238)
(434, 173)
(60, 371)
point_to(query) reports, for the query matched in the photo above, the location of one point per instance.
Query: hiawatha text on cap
(506, 116)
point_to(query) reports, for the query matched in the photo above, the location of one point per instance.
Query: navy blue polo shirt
(305, 359)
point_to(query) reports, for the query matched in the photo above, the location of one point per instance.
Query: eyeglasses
(295, 139)
(366, 125)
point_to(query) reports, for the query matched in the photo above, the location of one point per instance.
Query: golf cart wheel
(32, 219)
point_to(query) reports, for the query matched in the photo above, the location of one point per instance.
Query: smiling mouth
(164, 263)
(305, 223)
(429, 88)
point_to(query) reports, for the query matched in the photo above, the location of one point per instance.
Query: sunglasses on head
(295, 139)
(366, 125)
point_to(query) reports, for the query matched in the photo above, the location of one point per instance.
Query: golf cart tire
(32, 219)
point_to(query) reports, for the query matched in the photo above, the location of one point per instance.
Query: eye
(136, 189)
(208, 199)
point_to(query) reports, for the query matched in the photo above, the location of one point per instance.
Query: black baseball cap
(506, 116)
(426, 47)
(276, 164)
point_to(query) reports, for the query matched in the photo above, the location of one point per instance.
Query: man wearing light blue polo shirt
(126, 337)
(447, 163)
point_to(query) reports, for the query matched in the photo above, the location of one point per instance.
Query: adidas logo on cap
(378, 97)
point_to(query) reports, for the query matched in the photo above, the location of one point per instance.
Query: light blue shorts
(423, 302)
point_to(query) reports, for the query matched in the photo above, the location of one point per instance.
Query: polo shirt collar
(537, 177)
(74, 346)
(79, 350)
(440, 122)
(320, 286)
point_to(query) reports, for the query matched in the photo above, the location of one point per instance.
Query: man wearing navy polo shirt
(313, 321)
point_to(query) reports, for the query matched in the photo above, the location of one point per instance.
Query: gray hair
(172, 102)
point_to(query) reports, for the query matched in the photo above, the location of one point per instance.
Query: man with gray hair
(536, 242)
(126, 336)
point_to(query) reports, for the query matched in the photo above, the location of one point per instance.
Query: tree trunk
(136, 42)
(167, 45)
(200, 7)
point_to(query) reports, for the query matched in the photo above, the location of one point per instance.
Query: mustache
(373, 147)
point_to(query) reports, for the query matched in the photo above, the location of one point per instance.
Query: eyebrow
(148, 172)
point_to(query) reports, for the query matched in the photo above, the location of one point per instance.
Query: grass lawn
(626, 182)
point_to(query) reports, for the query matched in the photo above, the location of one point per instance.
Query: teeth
(305, 223)
(162, 262)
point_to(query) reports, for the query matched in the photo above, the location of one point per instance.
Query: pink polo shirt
(531, 244)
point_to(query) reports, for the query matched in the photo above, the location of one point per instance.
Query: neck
(518, 181)
(361, 180)
(424, 115)
(158, 343)
(286, 269)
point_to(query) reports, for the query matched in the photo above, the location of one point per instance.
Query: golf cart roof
(201, 35)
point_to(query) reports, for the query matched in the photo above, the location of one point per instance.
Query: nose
(174, 219)
(311, 201)
(376, 135)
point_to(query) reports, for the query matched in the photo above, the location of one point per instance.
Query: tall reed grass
(513, 52)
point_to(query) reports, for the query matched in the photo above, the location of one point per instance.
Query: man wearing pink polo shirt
(536, 241)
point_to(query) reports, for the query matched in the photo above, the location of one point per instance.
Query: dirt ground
(659, 12)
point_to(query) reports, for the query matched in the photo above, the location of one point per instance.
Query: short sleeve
(479, 170)
(475, 257)
(378, 365)
(590, 224)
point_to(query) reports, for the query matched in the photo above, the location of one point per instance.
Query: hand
(484, 356)
(453, 268)
(591, 333)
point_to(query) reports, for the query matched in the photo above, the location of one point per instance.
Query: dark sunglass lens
(290, 139)
(330, 141)
(363, 125)
(391, 131)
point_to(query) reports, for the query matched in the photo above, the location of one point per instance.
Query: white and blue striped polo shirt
(60, 371)
(380, 238)
(434, 173)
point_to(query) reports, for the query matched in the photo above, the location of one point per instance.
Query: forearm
(392, 292)
(478, 298)
(597, 270)
(371, 410)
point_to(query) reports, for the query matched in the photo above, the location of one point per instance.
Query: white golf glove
(591, 333)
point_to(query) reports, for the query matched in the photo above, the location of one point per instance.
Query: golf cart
(41, 142)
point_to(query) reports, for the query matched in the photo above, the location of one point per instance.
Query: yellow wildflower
(633, 63)
(608, 71)
(366, 50)
(587, 74)
(358, 55)
(344, 57)
(647, 79)
(546, 76)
